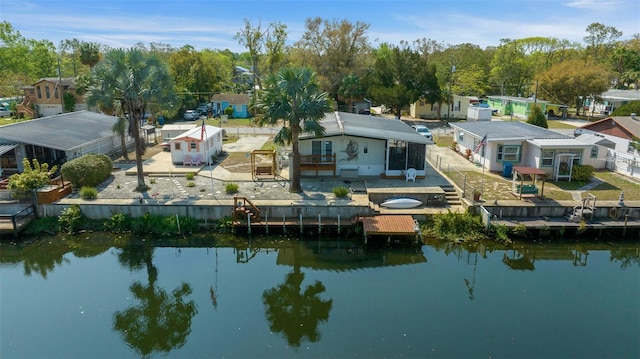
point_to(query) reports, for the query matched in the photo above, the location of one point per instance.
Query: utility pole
(453, 69)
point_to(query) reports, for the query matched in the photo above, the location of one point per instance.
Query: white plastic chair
(411, 175)
(187, 160)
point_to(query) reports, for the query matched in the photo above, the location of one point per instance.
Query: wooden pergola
(519, 173)
(259, 168)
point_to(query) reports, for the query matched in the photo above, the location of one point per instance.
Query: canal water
(89, 296)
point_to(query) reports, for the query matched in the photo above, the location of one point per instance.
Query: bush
(455, 226)
(118, 222)
(87, 192)
(190, 176)
(231, 188)
(21, 185)
(71, 219)
(340, 191)
(88, 170)
(581, 173)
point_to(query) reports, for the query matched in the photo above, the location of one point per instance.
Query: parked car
(191, 115)
(423, 130)
(203, 109)
(5, 112)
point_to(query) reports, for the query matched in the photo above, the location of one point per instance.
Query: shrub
(87, 192)
(581, 173)
(231, 188)
(71, 219)
(190, 176)
(118, 222)
(88, 170)
(21, 185)
(455, 226)
(191, 184)
(340, 191)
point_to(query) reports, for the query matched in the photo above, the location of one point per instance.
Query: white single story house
(196, 146)
(363, 145)
(57, 139)
(457, 109)
(170, 131)
(521, 144)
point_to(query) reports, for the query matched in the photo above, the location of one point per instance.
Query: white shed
(196, 146)
(475, 113)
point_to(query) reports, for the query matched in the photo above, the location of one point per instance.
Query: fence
(468, 191)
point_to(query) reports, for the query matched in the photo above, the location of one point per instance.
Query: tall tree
(399, 77)
(252, 37)
(510, 69)
(89, 53)
(600, 39)
(573, 81)
(333, 49)
(193, 75)
(276, 56)
(133, 79)
(293, 97)
(350, 91)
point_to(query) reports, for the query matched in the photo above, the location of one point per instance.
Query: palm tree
(293, 96)
(120, 128)
(132, 78)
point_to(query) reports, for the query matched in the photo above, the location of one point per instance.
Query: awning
(529, 171)
(6, 147)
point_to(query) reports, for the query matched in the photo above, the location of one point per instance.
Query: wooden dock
(14, 223)
(393, 227)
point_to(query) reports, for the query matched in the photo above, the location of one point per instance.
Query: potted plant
(476, 195)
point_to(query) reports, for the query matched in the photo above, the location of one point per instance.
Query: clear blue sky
(213, 23)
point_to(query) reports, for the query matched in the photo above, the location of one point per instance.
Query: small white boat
(401, 202)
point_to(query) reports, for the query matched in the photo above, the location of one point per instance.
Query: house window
(366, 148)
(594, 152)
(55, 92)
(328, 150)
(456, 106)
(177, 146)
(320, 149)
(421, 103)
(508, 153)
(397, 155)
(547, 158)
(460, 137)
(577, 156)
(193, 145)
(39, 92)
(46, 90)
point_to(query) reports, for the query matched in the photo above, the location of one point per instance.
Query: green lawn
(614, 184)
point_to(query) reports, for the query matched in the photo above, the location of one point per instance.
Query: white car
(423, 130)
(5, 112)
(191, 115)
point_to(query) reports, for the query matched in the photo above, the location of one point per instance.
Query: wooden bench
(527, 189)
(264, 171)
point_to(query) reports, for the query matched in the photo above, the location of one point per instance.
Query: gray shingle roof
(506, 130)
(344, 123)
(62, 132)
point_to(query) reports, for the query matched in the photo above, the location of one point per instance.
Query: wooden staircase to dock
(244, 211)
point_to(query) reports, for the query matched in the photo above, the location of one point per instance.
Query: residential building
(517, 107)
(362, 145)
(238, 102)
(46, 97)
(457, 109)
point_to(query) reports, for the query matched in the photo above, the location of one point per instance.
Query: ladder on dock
(586, 209)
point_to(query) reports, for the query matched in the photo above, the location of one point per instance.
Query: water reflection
(294, 312)
(157, 322)
(279, 295)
